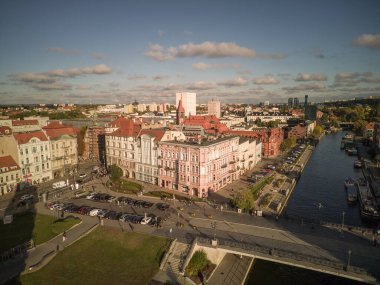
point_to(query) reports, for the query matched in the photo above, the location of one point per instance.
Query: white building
(189, 102)
(146, 152)
(34, 156)
(213, 108)
(249, 154)
(141, 108)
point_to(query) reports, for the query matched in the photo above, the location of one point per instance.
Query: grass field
(29, 225)
(106, 256)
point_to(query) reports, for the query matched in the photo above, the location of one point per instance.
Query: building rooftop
(7, 163)
(200, 142)
(24, 138)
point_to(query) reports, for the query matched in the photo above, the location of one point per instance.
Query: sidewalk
(43, 253)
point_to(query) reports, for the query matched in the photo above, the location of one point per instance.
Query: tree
(244, 200)
(359, 127)
(324, 118)
(288, 143)
(197, 263)
(116, 172)
(318, 130)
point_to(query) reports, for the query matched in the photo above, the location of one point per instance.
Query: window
(46, 147)
(27, 160)
(12, 177)
(42, 148)
(26, 151)
(21, 152)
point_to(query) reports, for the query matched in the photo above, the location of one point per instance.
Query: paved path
(41, 254)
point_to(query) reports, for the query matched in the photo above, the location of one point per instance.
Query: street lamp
(343, 213)
(213, 225)
(349, 258)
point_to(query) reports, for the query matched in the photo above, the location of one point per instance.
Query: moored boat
(369, 208)
(358, 164)
(352, 194)
(352, 151)
(349, 182)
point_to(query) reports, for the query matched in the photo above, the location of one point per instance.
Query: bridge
(334, 249)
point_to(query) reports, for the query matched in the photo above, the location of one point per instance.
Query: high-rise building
(296, 102)
(189, 102)
(214, 108)
(305, 104)
(290, 103)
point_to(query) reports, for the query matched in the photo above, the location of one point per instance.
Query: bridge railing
(282, 253)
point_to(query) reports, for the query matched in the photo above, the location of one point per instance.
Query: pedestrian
(64, 236)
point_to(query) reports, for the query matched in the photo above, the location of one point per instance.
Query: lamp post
(349, 258)
(213, 225)
(343, 213)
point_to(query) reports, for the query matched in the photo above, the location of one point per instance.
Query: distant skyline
(234, 51)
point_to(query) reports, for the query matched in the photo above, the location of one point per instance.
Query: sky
(77, 51)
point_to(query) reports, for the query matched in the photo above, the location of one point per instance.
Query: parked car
(94, 212)
(147, 204)
(26, 197)
(163, 206)
(91, 196)
(102, 213)
(82, 175)
(146, 220)
(111, 199)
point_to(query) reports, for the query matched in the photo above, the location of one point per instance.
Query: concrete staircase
(170, 272)
(177, 257)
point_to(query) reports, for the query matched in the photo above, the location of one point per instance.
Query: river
(320, 195)
(320, 192)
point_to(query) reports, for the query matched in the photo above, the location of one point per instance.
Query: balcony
(224, 166)
(232, 161)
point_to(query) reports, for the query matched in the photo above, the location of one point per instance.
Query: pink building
(198, 167)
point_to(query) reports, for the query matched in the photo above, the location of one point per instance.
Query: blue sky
(236, 51)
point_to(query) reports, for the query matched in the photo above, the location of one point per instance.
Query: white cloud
(368, 40)
(311, 77)
(266, 80)
(53, 79)
(354, 78)
(202, 66)
(136, 76)
(212, 49)
(240, 81)
(205, 49)
(159, 53)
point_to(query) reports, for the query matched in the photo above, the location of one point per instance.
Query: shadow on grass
(16, 237)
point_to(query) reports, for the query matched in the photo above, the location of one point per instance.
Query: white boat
(358, 164)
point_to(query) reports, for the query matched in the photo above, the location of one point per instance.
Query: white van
(59, 184)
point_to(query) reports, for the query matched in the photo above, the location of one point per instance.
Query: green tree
(318, 130)
(197, 263)
(324, 118)
(288, 143)
(359, 127)
(116, 172)
(244, 200)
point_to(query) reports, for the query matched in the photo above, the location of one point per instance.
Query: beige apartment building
(63, 148)
(10, 174)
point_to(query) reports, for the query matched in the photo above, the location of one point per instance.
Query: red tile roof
(55, 130)
(126, 127)
(24, 138)
(4, 130)
(8, 161)
(210, 124)
(24, 122)
(157, 133)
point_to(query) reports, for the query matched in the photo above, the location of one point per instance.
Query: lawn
(29, 225)
(106, 256)
(125, 186)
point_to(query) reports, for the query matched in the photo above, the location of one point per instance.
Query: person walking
(64, 236)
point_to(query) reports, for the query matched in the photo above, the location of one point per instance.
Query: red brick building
(271, 139)
(210, 124)
(298, 132)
